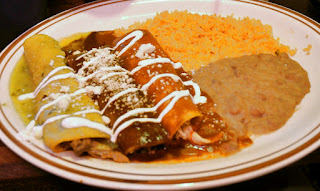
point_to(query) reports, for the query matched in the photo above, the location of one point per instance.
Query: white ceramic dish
(296, 139)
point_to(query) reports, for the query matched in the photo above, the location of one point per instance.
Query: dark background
(16, 16)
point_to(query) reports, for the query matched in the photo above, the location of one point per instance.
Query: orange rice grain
(196, 40)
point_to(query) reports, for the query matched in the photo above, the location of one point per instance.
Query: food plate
(293, 141)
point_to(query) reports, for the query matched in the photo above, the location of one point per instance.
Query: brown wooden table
(17, 174)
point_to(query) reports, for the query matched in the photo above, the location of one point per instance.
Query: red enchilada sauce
(225, 139)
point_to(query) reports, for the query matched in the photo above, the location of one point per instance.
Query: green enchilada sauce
(21, 83)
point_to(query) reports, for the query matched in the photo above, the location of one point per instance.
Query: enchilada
(65, 116)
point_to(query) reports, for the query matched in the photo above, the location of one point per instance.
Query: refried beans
(257, 93)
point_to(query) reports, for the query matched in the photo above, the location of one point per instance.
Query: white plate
(296, 139)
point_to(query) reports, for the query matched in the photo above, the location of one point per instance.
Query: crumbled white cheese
(97, 90)
(64, 103)
(144, 50)
(76, 52)
(64, 89)
(51, 63)
(176, 65)
(37, 131)
(54, 96)
(106, 119)
(101, 73)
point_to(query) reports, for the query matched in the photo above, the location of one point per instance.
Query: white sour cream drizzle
(197, 98)
(31, 125)
(58, 117)
(78, 92)
(31, 129)
(136, 35)
(109, 75)
(45, 82)
(85, 54)
(37, 130)
(26, 96)
(54, 78)
(144, 110)
(60, 56)
(74, 122)
(147, 62)
(176, 96)
(176, 65)
(155, 78)
(83, 79)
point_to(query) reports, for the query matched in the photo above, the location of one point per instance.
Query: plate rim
(14, 144)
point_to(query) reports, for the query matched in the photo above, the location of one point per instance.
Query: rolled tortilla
(158, 76)
(57, 96)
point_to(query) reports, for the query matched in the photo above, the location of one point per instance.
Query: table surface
(17, 174)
